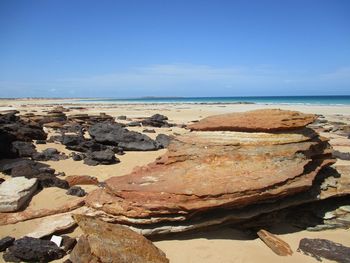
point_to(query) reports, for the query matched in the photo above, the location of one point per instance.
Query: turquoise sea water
(312, 100)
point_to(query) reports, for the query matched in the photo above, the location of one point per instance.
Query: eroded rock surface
(269, 120)
(104, 242)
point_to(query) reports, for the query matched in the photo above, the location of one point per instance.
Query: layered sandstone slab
(268, 120)
(205, 176)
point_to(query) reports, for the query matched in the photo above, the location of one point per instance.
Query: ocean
(300, 100)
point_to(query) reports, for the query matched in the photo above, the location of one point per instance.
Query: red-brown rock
(268, 120)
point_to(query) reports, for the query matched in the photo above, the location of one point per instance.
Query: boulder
(323, 248)
(156, 120)
(33, 250)
(15, 192)
(267, 120)
(115, 134)
(104, 242)
(163, 140)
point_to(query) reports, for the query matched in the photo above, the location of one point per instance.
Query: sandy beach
(223, 244)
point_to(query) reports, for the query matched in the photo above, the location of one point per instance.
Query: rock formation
(223, 176)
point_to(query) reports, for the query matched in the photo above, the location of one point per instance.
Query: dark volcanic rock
(12, 128)
(115, 134)
(49, 180)
(134, 124)
(23, 149)
(163, 140)
(49, 154)
(101, 157)
(34, 250)
(156, 120)
(323, 248)
(78, 156)
(76, 190)
(6, 242)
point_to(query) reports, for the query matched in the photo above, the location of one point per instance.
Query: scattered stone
(76, 191)
(101, 157)
(115, 134)
(49, 154)
(156, 120)
(6, 242)
(104, 242)
(78, 156)
(34, 249)
(323, 248)
(276, 244)
(15, 192)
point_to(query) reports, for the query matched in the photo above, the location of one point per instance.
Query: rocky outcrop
(103, 242)
(15, 192)
(268, 120)
(323, 248)
(208, 178)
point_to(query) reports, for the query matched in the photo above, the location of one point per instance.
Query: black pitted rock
(157, 120)
(6, 242)
(72, 139)
(24, 167)
(49, 154)
(115, 134)
(76, 191)
(323, 248)
(40, 142)
(23, 149)
(87, 146)
(31, 249)
(101, 157)
(163, 140)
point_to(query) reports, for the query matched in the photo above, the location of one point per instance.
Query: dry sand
(222, 245)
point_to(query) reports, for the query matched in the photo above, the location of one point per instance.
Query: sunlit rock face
(206, 174)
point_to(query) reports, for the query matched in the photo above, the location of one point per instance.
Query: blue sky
(83, 48)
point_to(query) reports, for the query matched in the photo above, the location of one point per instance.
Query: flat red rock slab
(266, 120)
